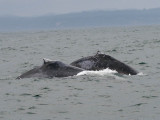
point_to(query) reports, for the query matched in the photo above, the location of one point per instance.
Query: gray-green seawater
(86, 97)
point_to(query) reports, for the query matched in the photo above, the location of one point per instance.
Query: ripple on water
(26, 94)
(8, 49)
(31, 113)
(104, 96)
(149, 97)
(32, 107)
(138, 104)
(37, 96)
(142, 63)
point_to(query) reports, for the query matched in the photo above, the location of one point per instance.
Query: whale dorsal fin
(46, 60)
(98, 52)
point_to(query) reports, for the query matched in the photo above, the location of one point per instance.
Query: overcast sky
(42, 7)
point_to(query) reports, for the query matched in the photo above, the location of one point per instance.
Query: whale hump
(102, 61)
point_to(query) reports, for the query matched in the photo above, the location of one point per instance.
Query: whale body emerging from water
(102, 61)
(51, 69)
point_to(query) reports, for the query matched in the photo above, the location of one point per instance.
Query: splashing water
(100, 72)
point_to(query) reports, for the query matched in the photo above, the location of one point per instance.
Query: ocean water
(99, 95)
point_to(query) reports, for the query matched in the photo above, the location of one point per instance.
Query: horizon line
(78, 12)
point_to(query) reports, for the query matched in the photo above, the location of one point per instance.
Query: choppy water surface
(95, 96)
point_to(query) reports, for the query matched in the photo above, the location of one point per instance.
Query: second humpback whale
(51, 69)
(103, 61)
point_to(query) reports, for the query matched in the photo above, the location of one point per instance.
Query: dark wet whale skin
(102, 61)
(51, 69)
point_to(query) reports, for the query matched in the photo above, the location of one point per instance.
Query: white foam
(100, 72)
(141, 73)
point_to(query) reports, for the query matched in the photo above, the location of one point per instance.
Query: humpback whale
(103, 61)
(51, 69)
